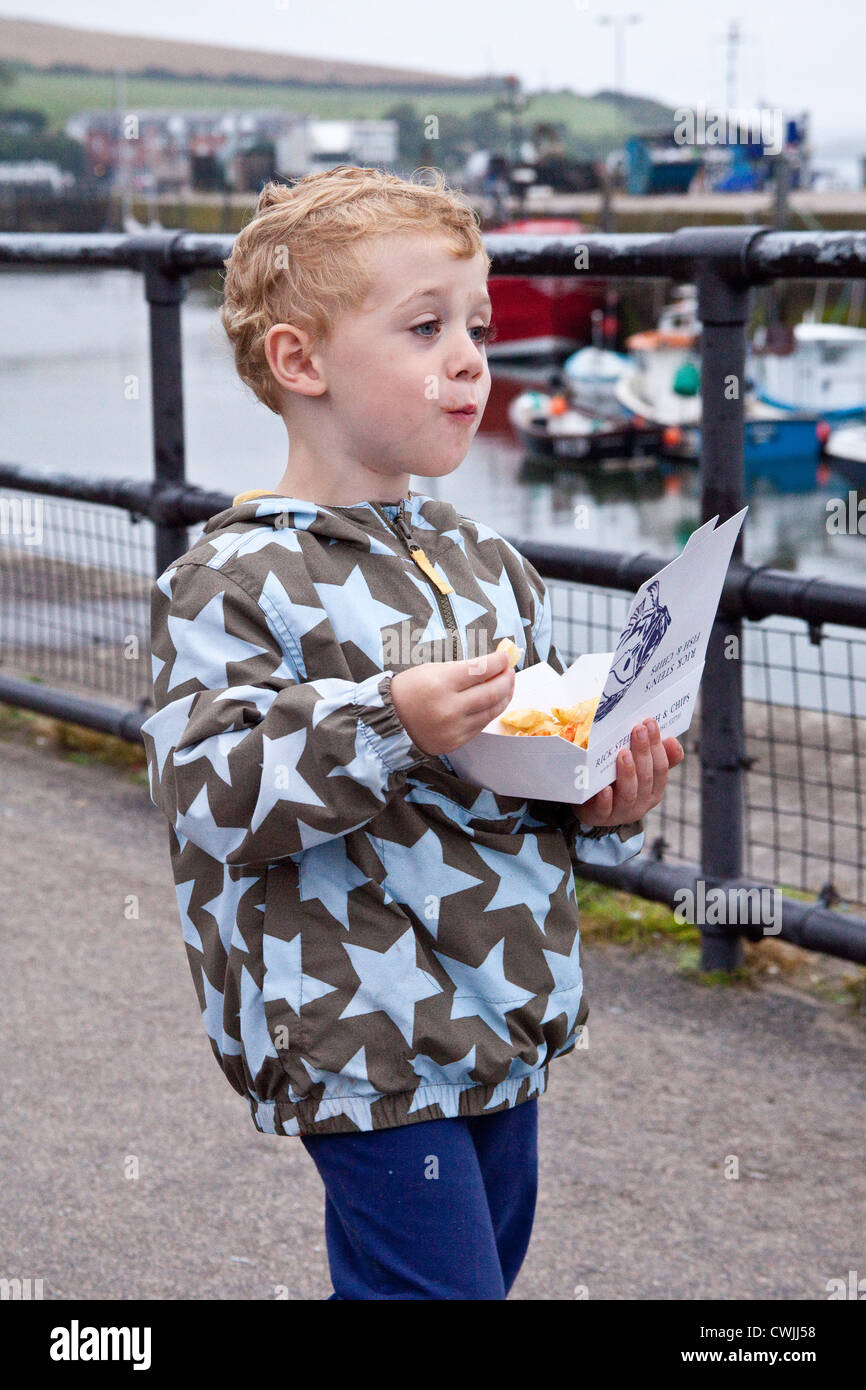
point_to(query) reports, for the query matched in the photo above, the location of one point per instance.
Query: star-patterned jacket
(374, 942)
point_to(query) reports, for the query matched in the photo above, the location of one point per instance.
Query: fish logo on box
(647, 625)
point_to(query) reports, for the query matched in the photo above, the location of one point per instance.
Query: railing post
(723, 308)
(165, 291)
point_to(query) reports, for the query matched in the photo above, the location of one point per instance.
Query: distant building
(158, 147)
(165, 150)
(41, 174)
(310, 144)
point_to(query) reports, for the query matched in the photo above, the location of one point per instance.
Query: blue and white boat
(791, 398)
(591, 375)
(823, 373)
(780, 445)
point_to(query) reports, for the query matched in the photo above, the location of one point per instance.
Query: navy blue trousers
(438, 1209)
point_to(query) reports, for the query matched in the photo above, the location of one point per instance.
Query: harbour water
(75, 396)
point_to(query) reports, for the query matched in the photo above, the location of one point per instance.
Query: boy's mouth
(466, 412)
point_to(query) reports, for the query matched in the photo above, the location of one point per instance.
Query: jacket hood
(260, 507)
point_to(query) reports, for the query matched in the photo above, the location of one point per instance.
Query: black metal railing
(715, 817)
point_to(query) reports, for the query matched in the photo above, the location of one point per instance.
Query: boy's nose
(469, 365)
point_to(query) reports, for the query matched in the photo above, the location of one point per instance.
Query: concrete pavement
(107, 1071)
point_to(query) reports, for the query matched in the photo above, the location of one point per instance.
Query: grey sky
(796, 54)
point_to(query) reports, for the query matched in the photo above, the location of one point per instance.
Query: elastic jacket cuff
(389, 737)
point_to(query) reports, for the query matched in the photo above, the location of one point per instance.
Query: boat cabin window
(834, 352)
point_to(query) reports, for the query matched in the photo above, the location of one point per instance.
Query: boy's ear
(292, 359)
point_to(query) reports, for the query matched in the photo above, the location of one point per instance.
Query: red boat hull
(547, 313)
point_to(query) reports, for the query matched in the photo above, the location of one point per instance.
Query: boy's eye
(485, 330)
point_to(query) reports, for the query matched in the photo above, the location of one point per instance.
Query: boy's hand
(443, 704)
(640, 782)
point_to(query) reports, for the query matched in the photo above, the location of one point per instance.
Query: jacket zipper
(441, 585)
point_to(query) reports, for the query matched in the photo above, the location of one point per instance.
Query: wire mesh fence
(75, 584)
(804, 710)
(75, 581)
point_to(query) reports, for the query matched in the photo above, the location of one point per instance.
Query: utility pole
(513, 103)
(121, 168)
(619, 23)
(782, 184)
(734, 39)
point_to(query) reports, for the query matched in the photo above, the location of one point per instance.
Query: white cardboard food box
(655, 671)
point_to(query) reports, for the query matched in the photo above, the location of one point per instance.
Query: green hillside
(592, 124)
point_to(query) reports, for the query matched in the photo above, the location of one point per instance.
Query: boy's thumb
(481, 668)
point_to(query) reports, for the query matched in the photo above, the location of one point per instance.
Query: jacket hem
(351, 1114)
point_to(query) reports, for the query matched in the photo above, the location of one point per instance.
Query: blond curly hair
(300, 259)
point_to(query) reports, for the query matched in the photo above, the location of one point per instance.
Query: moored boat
(549, 427)
(591, 375)
(542, 315)
(822, 369)
(783, 437)
(844, 453)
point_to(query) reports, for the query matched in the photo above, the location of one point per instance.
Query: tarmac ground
(130, 1169)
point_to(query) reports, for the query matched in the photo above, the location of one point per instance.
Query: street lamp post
(618, 23)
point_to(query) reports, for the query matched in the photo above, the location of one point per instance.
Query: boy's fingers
(660, 768)
(626, 784)
(598, 805)
(481, 668)
(674, 750)
(659, 760)
(491, 690)
(642, 752)
(484, 701)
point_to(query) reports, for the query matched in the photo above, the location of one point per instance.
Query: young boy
(386, 957)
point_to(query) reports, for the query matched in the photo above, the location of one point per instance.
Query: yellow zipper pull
(424, 564)
(418, 554)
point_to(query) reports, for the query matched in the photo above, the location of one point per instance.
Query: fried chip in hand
(514, 652)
